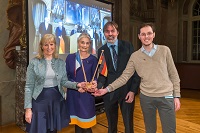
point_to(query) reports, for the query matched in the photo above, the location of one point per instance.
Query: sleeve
(29, 86)
(64, 81)
(126, 75)
(173, 74)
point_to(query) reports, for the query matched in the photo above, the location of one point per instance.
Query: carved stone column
(21, 65)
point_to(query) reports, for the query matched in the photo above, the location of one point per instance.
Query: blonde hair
(47, 38)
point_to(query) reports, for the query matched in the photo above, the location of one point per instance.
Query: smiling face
(146, 35)
(111, 33)
(84, 44)
(48, 48)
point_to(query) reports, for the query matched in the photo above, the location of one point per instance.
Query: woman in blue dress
(81, 105)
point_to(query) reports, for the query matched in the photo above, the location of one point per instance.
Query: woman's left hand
(81, 90)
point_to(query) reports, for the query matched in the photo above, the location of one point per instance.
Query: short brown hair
(145, 25)
(111, 23)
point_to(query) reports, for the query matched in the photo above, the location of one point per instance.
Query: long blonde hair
(47, 38)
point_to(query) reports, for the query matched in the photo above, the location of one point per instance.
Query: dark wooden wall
(189, 74)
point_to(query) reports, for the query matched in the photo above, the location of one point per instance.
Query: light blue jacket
(35, 78)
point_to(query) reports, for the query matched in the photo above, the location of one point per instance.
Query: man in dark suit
(116, 63)
(45, 27)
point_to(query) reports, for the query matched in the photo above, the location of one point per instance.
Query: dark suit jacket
(43, 30)
(125, 49)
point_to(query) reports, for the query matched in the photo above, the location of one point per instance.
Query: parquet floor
(188, 118)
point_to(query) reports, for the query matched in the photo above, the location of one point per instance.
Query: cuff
(77, 86)
(108, 89)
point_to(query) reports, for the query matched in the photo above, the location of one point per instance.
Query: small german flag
(103, 66)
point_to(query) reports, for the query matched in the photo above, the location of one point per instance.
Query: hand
(81, 90)
(92, 90)
(94, 84)
(177, 104)
(100, 92)
(130, 97)
(81, 85)
(28, 115)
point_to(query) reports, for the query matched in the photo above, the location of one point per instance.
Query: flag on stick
(77, 62)
(103, 66)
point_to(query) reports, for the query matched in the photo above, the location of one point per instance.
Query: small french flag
(77, 62)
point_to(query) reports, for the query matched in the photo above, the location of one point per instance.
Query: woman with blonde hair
(45, 110)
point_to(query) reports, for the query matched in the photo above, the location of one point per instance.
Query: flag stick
(82, 66)
(97, 65)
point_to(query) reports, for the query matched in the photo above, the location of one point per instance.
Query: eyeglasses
(146, 34)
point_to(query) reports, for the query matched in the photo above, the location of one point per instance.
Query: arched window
(196, 31)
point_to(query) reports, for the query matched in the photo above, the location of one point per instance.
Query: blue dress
(81, 105)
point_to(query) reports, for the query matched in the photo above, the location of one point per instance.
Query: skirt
(49, 112)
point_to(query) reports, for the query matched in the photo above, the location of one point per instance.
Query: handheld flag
(103, 66)
(77, 62)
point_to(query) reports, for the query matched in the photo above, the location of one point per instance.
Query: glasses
(146, 34)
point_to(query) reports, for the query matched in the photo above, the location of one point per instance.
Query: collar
(154, 48)
(115, 43)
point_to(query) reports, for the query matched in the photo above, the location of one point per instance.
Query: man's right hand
(100, 92)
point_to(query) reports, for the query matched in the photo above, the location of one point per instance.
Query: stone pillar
(21, 65)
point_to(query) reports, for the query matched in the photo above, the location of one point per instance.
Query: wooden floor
(188, 118)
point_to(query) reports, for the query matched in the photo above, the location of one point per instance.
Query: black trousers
(111, 110)
(82, 130)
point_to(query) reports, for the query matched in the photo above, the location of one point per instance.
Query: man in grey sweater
(160, 83)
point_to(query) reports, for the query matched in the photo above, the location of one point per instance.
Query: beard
(111, 39)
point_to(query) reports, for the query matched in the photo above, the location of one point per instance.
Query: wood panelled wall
(189, 74)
